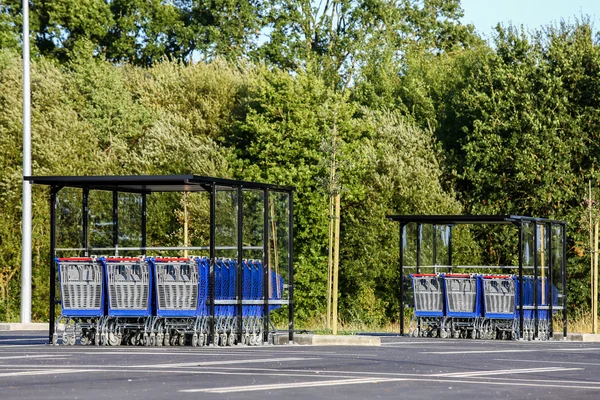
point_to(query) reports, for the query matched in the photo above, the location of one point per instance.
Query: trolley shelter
(169, 260)
(518, 301)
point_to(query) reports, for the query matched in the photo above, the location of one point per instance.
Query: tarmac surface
(407, 368)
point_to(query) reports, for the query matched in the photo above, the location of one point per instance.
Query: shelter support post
(53, 191)
(266, 264)
(212, 255)
(521, 286)
(240, 268)
(291, 265)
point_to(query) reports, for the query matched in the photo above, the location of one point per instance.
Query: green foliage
(423, 115)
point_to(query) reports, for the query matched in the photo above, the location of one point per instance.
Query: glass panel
(226, 223)
(278, 256)
(100, 222)
(543, 261)
(69, 221)
(409, 243)
(130, 222)
(253, 224)
(442, 245)
(164, 227)
(557, 257)
(527, 248)
(427, 242)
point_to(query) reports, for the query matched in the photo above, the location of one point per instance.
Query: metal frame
(515, 220)
(145, 185)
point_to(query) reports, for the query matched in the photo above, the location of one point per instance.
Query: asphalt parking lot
(407, 368)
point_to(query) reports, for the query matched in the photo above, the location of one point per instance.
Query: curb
(32, 326)
(578, 337)
(331, 340)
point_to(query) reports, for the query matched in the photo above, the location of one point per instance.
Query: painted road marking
(469, 374)
(250, 388)
(33, 356)
(221, 362)
(45, 372)
(548, 362)
(506, 351)
(277, 386)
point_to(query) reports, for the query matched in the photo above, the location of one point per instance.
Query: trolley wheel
(85, 340)
(434, 333)
(182, 339)
(113, 340)
(473, 334)
(194, 340)
(65, 339)
(443, 334)
(231, 339)
(456, 334)
(167, 340)
(55, 339)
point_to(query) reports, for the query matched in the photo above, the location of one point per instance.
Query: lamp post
(26, 224)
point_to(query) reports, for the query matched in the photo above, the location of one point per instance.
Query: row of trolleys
(480, 306)
(160, 301)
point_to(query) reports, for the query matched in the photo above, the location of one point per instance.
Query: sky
(533, 14)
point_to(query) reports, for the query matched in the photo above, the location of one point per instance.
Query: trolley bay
(414, 368)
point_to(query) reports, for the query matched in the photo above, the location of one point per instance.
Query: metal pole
(550, 283)
(450, 248)
(434, 248)
(26, 213)
(239, 272)
(266, 264)
(144, 223)
(84, 222)
(419, 232)
(291, 266)
(535, 282)
(115, 216)
(53, 191)
(401, 262)
(521, 286)
(564, 278)
(211, 280)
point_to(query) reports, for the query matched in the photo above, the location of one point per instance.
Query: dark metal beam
(550, 280)
(564, 278)
(521, 286)
(401, 267)
(240, 268)
(535, 282)
(291, 265)
(53, 191)
(419, 237)
(266, 264)
(144, 222)
(84, 222)
(115, 220)
(212, 254)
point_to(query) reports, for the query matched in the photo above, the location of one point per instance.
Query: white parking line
(359, 381)
(470, 374)
(33, 356)
(45, 372)
(547, 362)
(294, 385)
(509, 351)
(227, 362)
